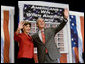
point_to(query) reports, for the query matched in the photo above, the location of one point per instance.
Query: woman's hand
(20, 26)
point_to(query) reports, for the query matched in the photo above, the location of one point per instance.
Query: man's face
(26, 28)
(41, 23)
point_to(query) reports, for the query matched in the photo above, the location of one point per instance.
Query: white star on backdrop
(72, 16)
(72, 39)
(72, 24)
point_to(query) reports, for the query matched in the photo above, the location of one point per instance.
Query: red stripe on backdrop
(63, 58)
(82, 29)
(76, 55)
(6, 37)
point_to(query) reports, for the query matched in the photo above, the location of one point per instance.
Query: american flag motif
(7, 49)
(76, 38)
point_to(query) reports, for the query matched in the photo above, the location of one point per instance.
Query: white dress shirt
(39, 33)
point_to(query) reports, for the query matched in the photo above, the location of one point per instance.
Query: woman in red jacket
(26, 47)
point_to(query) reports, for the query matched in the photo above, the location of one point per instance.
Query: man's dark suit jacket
(50, 44)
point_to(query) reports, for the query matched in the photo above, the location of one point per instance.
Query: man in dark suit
(44, 40)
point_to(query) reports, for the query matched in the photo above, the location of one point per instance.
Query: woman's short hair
(26, 23)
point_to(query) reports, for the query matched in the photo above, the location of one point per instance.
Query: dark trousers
(25, 61)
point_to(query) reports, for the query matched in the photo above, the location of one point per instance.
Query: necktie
(43, 36)
(43, 39)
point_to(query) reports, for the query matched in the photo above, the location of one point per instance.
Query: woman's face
(26, 28)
